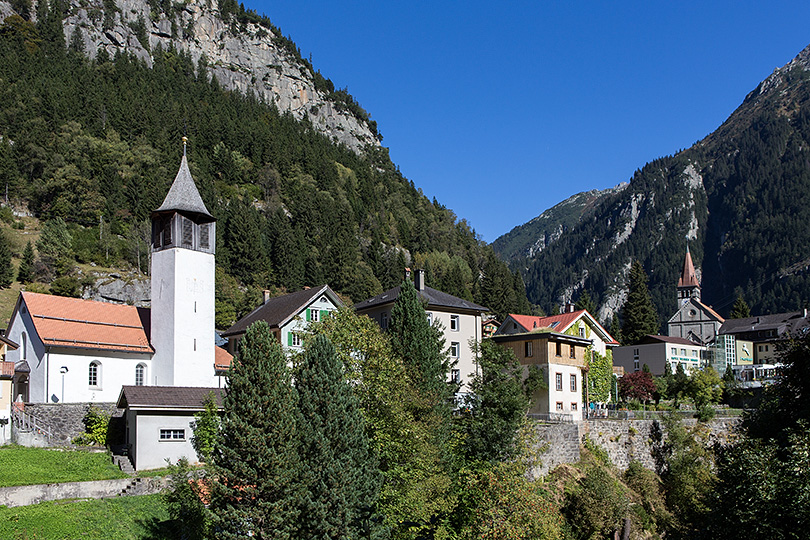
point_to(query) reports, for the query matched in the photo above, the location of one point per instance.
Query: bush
(96, 426)
(66, 286)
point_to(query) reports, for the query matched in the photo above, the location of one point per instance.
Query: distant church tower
(183, 237)
(688, 286)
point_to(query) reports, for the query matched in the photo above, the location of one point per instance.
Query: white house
(287, 315)
(461, 320)
(658, 351)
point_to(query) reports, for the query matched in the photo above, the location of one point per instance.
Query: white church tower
(183, 238)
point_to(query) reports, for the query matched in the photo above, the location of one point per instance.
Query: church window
(188, 233)
(204, 236)
(167, 232)
(24, 346)
(94, 374)
(140, 374)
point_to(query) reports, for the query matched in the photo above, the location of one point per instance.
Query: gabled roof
(434, 298)
(688, 276)
(707, 309)
(183, 195)
(86, 324)
(167, 397)
(559, 323)
(791, 322)
(667, 339)
(10, 344)
(279, 310)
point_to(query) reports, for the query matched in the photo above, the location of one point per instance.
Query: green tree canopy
(639, 317)
(740, 310)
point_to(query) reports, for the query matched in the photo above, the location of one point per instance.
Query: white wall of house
(183, 318)
(31, 349)
(148, 449)
(657, 355)
(315, 311)
(567, 398)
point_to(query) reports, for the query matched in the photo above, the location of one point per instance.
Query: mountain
(740, 197)
(243, 50)
(529, 239)
(94, 101)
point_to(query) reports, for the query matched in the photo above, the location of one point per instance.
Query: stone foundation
(66, 420)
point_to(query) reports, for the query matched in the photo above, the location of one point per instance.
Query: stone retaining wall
(66, 419)
(25, 495)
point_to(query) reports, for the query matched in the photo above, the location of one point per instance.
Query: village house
(6, 388)
(460, 319)
(659, 351)
(287, 315)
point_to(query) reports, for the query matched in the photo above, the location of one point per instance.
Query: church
(77, 351)
(694, 320)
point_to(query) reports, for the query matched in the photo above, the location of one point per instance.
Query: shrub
(96, 425)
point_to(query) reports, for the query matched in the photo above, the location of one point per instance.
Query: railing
(29, 423)
(554, 418)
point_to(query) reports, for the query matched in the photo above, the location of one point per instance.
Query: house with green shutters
(287, 315)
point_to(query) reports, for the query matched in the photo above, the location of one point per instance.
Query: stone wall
(25, 495)
(66, 420)
(624, 440)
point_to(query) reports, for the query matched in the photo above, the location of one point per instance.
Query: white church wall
(113, 370)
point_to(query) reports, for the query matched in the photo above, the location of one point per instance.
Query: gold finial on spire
(185, 142)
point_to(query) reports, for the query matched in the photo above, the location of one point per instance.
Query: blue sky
(502, 110)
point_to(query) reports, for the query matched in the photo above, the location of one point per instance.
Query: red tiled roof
(6, 369)
(688, 276)
(222, 359)
(712, 312)
(87, 324)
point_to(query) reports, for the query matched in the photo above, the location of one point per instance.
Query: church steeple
(688, 285)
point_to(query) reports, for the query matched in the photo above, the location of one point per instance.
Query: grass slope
(21, 466)
(121, 518)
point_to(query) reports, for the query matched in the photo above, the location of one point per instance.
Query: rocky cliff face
(245, 57)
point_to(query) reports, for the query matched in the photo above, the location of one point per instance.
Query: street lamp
(63, 370)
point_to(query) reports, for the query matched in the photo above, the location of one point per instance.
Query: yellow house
(6, 390)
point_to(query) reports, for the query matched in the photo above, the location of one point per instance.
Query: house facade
(460, 319)
(577, 323)
(659, 351)
(561, 359)
(6, 389)
(287, 316)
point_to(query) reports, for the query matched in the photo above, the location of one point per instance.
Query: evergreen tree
(256, 466)
(340, 477)
(585, 302)
(6, 271)
(25, 274)
(522, 305)
(55, 242)
(740, 310)
(616, 328)
(638, 314)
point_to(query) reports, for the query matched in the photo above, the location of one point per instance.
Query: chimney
(407, 273)
(266, 295)
(419, 280)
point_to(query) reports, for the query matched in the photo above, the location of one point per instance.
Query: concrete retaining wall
(25, 495)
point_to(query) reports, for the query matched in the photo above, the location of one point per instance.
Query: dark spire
(183, 195)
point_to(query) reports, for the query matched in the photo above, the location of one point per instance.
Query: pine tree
(25, 274)
(616, 328)
(585, 302)
(340, 476)
(638, 314)
(740, 310)
(256, 464)
(6, 271)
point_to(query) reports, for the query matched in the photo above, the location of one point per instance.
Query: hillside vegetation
(97, 144)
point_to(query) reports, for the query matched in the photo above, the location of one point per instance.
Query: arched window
(24, 346)
(140, 374)
(94, 374)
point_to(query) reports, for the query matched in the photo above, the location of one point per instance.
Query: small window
(454, 349)
(454, 323)
(683, 352)
(635, 352)
(573, 406)
(528, 349)
(295, 339)
(694, 354)
(581, 331)
(674, 351)
(24, 346)
(205, 236)
(93, 378)
(172, 434)
(188, 233)
(167, 232)
(559, 406)
(383, 320)
(573, 353)
(559, 349)
(573, 383)
(140, 374)
(455, 376)
(558, 381)
(313, 315)
(635, 364)
(429, 318)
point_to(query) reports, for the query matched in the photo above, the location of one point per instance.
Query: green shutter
(289, 339)
(308, 315)
(324, 314)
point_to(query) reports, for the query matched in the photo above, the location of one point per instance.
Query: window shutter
(289, 339)
(308, 315)
(324, 314)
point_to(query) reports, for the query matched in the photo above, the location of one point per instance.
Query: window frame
(455, 349)
(527, 349)
(573, 382)
(140, 372)
(168, 435)
(455, 323)
(94, 375)
(558, 381)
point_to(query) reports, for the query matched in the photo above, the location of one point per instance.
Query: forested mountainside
(529, 239)
(741, 197)
(97, 144)
(244, 50)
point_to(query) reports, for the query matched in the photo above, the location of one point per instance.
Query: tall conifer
(740, 310)
(639, 317)
(6, 271)
(256, 462)
(25, 274)
(340, 476)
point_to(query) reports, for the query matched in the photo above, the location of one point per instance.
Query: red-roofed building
(694, 320)
(574, 323)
